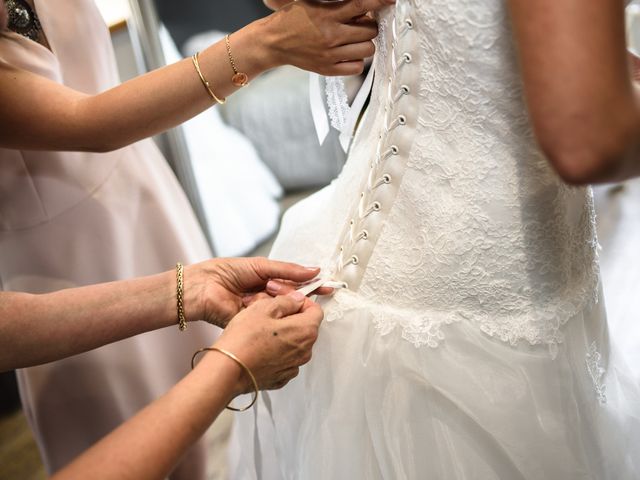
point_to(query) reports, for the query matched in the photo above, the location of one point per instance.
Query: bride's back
(454, 212)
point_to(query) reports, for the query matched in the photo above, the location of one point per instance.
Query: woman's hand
(274, 338)
(216, 290)
(330, 39)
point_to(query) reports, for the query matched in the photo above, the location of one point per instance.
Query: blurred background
(243, 163)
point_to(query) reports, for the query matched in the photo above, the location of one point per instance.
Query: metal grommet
(394, 149)
(376, 206)
(386, 178)
(402, 120)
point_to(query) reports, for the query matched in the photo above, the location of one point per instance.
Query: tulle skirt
(376, 407)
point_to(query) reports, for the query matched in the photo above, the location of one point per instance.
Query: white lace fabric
(482, 229)
(465, 345)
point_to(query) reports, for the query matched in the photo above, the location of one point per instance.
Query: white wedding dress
(471, 341)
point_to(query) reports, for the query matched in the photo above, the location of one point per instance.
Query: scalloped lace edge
(541, 326)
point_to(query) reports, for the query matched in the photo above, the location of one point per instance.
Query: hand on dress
(220, 288)
(274, 338)
(326, 38)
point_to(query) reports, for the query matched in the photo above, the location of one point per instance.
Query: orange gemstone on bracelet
(240, 79)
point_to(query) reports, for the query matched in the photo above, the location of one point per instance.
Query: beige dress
(70, 219)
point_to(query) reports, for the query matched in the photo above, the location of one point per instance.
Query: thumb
(286, 305)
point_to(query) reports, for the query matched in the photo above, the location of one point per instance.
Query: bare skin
(58, 323)
(304, 34)
(272, 336)
(579, 87)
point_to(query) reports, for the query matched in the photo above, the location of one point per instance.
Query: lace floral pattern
(337, 101)
(482, 229)
(596, 372)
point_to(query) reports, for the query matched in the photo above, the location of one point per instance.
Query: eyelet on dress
(376, 206)
(354, 259)
(386, 178)
(405, 89)
(409, 23)
(394, 149)
(402, 120)
(407, 57)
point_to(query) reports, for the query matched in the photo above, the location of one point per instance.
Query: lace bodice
(452, 212)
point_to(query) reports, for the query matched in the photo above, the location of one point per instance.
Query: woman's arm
(40, 114)
(149, 445)
(36, 329)
(578, 85)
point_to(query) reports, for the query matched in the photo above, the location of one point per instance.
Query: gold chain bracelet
(182, 319)
(242, 365)
(239, 79)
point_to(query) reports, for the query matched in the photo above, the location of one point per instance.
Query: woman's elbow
(583, 166)
(593, 157)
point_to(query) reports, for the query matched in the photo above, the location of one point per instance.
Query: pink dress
(69, 219)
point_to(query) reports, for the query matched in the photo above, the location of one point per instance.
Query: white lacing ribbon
(320, 282)
(375, 179)
(383, 180)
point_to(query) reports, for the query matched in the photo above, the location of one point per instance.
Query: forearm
(132, 111)
(577, 85)
(171, 95)
(150, 444)
(76, 320)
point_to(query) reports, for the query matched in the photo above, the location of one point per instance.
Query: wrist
(262, 42)
(193, 294)
(226, 371)
(253, 50)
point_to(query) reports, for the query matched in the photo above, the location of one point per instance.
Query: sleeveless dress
(471, 339)
(69, 219)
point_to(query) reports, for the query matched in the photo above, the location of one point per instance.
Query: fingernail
(273, 286)
(312, 268)
(297, 296)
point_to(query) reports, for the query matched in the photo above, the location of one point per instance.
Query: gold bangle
(239, 79)
(182, 319)
(207, 85)
(239, 362)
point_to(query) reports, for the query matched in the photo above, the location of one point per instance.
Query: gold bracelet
(239, 362)
(239, 79)
(207, 85)
(182, 319)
